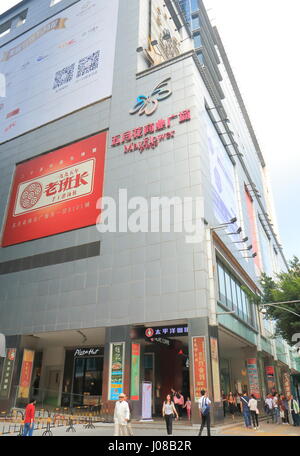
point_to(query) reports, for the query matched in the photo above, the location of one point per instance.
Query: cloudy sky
(262, 38)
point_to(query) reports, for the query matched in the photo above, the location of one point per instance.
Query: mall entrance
(166, 366)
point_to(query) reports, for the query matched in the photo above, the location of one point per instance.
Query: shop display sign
(56, 192)
(116, 370)
(26, 373)
(86, 352)
(200, 366)
(215, 368)
(147, 401)
(287, 384)
(166, 331)
(253, 377)
(135, 372)
(151, 135)
(7, 373)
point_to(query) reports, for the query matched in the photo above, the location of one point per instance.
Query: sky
(261, 38)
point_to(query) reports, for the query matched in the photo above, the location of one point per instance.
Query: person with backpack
(246, 410)
(269, 409)
(168, 412)
(204, 411)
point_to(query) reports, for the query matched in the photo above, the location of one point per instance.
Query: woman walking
(254, 411)
(168, 411)
(231, 404)
(188, 406)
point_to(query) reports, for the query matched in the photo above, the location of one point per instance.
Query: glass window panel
(200, 58)
(228, 290)
(197, 40)
(195, 22)
(222, 287)
(194, 5)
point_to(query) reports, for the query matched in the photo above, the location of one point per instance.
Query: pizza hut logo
(149, 332)
(31, 195)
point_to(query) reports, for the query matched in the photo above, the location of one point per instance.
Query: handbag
(257, 411)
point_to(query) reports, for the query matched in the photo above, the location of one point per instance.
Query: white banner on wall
(222, 178)
(60, 66)
(147, 401)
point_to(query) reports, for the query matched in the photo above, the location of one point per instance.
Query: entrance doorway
(52, 391)
(87, 381)
(167, 367)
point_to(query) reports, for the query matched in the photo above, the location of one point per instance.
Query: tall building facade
(135, 103)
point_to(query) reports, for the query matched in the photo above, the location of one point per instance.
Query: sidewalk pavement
(153, 430)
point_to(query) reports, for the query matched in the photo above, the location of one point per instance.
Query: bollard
(71, 427)
(48, 430)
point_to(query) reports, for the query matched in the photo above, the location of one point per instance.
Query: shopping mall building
(134, 102)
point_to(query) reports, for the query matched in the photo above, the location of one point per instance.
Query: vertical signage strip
(200, 367)
(116, 370)
(26, 372)
(8, 370)
(253, 377)
(215, 368)
(135, 372)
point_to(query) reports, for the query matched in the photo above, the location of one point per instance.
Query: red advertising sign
(270, 370)
(26, 372)
(56, 192)
(253, 377)
(200, 369)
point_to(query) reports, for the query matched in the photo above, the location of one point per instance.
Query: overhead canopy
(2, 346)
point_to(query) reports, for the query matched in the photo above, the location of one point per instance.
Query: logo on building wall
(148, 104)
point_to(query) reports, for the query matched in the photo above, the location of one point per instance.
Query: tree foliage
(286, 287)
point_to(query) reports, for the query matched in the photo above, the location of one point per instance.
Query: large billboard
(56, 192)
(58, 67)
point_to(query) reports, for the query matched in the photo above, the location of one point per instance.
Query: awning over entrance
(2, 346)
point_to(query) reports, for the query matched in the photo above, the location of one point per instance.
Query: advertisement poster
(147, 401)
(270, 378)
(253, 377)
(26, 372)
(222, 178)
(287, 384)
(200, 367)
(7, 373)
(215, 368)
(116, 370)
(135, 372)
(56, 192)
(58, 67)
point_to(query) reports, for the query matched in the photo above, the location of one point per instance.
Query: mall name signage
(166, 331)
(151, 135)
(86, 352)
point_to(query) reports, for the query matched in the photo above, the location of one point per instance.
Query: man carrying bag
(204, 411)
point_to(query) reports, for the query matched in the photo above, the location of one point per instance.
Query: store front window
(82, 385)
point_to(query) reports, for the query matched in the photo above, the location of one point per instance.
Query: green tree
(285, 288)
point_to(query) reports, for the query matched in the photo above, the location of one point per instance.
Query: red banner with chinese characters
(26, 372)
(56, 192)
(200, 368)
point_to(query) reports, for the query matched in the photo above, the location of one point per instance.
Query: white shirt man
(121, 416)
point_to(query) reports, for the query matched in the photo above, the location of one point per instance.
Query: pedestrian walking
(269, 409)
(238, 402)
(224, 400)
(254, 412)
(168, 412)
(179, 402)
(284, 409)
(295, 411)
(129, 427)
(29, 418)
(246, 410)
(204, 411)
(188, 407)
(231, 404)
(121, 416)
(276, 408)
